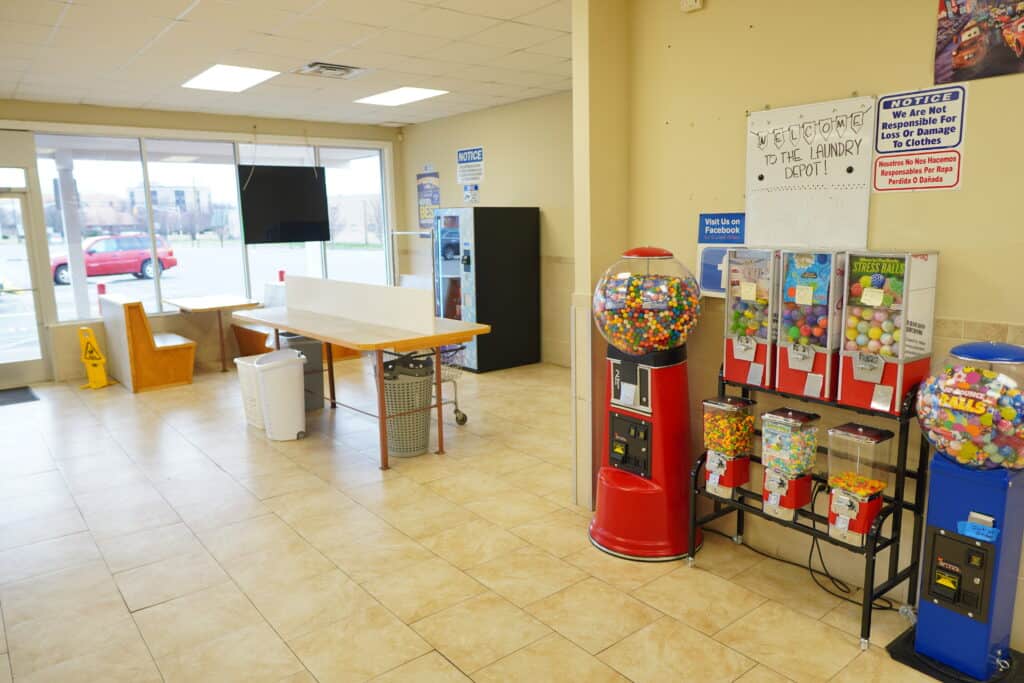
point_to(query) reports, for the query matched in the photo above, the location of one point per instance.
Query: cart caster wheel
(461, 418)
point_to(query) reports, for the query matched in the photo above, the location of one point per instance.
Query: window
(195, 216)
(267, 260)
(355, 203)
(13, 178)
(87, 185)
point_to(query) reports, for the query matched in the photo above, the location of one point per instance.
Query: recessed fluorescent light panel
(400, 96)
(227, 78)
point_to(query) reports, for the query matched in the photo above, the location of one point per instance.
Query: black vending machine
(487, 270)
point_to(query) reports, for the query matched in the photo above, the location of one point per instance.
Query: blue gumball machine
(972, 411)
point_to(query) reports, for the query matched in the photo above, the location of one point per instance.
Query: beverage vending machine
(645, 306)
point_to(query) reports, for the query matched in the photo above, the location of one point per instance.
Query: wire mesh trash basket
(408, 386)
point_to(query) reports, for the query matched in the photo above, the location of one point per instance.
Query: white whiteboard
(398, 307)
(809, 174)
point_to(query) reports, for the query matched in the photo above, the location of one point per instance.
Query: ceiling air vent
(330, 70)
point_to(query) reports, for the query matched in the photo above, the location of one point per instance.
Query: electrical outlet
(691, 5)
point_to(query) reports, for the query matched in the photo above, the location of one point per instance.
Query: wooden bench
(138, 358)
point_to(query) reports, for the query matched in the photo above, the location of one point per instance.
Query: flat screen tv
(283, 204)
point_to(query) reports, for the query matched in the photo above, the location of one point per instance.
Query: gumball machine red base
(645, 307)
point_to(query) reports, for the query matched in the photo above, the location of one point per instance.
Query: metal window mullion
(323, 245)
(157, 265)
(241, 225)
(386, 240)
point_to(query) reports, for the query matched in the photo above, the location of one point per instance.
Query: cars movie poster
(978, 39)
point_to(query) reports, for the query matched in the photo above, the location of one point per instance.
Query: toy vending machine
(729, 441)
(645, 306)
(889, 311)
(972, 411)
(859, 470)
(811, 303)
(752, 319)
(789, 449)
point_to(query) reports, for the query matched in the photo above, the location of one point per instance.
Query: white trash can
(280, 377)
(250, 390)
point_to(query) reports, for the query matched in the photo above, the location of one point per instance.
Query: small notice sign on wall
(918, 138)
(469, 164)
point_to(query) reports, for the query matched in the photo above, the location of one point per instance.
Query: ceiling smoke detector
(330, 70)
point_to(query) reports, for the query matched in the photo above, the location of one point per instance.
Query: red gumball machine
(645, 306)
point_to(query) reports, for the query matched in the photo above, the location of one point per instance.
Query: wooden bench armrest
(164, 340)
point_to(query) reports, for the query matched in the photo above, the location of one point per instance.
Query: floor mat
(8, 397)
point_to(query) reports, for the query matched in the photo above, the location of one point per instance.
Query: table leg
(440, 406)
(330, 374)
(220, 333)
(382, 416)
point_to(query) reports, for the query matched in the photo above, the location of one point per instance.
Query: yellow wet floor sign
(92, 357)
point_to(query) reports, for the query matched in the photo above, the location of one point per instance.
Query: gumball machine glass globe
(648, 301)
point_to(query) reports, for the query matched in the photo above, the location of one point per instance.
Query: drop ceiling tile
(465, 52)
(559, 47)
(365, 59)
(425, 67)
(24, 34)
(525, 60)
(187, 38)
(385, 13)
(101, 19)
(84, 40)
(457, 86)
(45, 12)
(339, 33)
(262, 60)
(402, 43)
(502, 9)
(514, 36)
(446, 23)
(562, 68)
(305, 50)
(248, 16)
(557, 15)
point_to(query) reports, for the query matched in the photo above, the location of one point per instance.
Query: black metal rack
(807, 521)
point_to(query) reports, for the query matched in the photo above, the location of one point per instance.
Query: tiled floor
(155, 537)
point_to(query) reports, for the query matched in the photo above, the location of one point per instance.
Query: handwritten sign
(808, 167)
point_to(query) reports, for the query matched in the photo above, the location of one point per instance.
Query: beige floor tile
(480, 631)
(626, 575)
(475, 542)
(593, 615)
(468, 485)
(552, 659)
(369, 643)
(512, 508)
(210, 514)
(526, 575)
(84, 591)
(126, 662)
(723, 557)
(699, 599)
(768, 635)
(302, 677)
(426, 517)
(254, 653)
(276, 484)
(293, 506)
(5, 669)
(427, 467)
(422, 589)
(167, 579)
(560, 533)
(670, 651)
(47, 556)
(278, 566)
(886, 625)
(367, 557)
(42, 643)
(40, 527)
(232, 541)
(188, 621)
(501, 460)
(388, 494)
(542, 479)
(120, 521)
(430, 668)
(789, 585)
(762, 674)
(147, 546)
(876, 666)
(340, 527)
(311, 603)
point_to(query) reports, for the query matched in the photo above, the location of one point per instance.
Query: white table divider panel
(399, 307)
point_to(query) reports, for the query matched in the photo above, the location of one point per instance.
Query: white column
(72, 230)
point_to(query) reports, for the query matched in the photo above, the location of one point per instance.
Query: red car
(1013, 34)
(971, 47)
(116, 255)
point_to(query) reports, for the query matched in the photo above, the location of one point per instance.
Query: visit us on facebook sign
(715, 233)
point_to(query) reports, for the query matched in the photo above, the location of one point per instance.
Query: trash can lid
(278, 358)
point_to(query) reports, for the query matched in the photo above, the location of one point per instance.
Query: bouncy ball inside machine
(645, 306)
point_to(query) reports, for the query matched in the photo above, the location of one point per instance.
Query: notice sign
(713, 231)
(470, 165)
(918, 137)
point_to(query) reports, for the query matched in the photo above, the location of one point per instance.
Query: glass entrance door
(21, 354)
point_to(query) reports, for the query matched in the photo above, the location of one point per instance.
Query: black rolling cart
(808, 522)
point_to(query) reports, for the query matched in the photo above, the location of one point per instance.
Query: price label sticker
(748, 291)
(871, 296)
(627, 394)
(713, 479)
(804, 295)
(773, 499)
(842, 523)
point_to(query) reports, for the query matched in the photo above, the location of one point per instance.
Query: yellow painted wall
(693, 78)
(528, 162)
